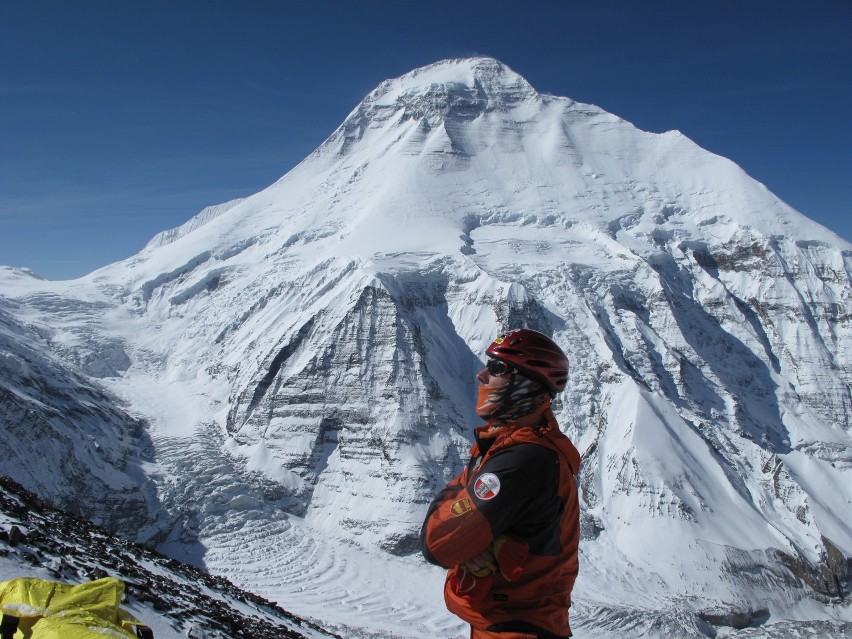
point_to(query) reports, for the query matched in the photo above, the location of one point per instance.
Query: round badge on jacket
(486, 486)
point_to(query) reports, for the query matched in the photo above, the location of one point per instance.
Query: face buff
(508, 397)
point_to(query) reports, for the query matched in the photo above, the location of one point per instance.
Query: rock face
(311, 349)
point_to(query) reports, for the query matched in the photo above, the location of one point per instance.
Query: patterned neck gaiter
(509, 397)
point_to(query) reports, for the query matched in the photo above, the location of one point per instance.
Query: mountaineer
(507, 527)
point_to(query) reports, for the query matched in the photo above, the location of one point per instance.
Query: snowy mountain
(287, 379)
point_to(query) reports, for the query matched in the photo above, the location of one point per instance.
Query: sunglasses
(496, 367)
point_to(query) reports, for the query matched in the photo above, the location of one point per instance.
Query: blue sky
(119, 119)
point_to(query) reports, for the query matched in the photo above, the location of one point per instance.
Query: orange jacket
(519, 484)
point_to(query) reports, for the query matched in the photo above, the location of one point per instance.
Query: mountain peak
(456, 89)
(489, 79)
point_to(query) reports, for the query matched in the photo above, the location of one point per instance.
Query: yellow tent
(39, 609)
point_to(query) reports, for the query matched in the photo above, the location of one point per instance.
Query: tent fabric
(56, 610)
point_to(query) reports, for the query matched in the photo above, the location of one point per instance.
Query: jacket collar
(546, 433)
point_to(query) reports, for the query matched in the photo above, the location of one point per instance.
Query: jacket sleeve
(472, 511)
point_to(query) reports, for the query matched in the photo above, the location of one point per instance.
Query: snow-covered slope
(66, 437)
(303, 360)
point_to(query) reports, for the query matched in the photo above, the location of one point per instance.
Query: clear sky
(122, 118)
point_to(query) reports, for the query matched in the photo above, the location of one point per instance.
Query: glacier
(274, 390)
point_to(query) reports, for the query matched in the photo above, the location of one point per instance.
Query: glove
(511, 556)
(483, 564)
(474, 578)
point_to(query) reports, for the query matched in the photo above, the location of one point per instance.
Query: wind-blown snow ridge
(304, 360)
(209, 213)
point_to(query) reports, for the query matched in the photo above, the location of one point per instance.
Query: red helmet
(535, 355)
